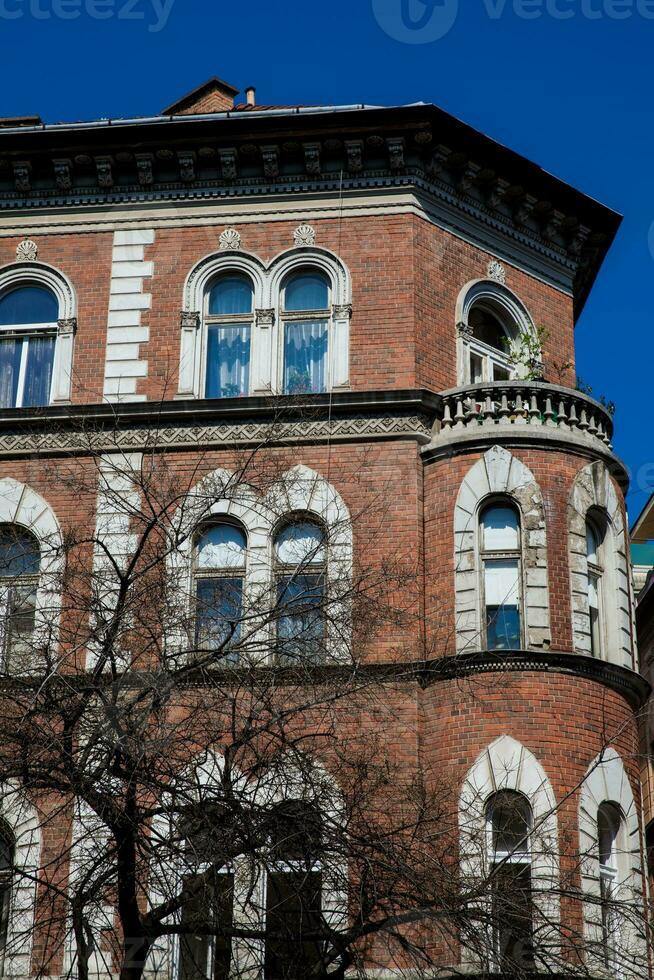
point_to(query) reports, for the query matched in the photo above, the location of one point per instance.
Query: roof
(643, 529)
(213, 92)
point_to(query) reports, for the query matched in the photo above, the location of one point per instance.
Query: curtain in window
(228, 361)
(10, 353)
(305, 357)
(38, 374)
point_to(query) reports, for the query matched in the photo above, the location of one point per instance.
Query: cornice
(632, 686)
(237, 155)
(203, 424)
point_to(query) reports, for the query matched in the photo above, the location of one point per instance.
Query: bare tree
(192, 708)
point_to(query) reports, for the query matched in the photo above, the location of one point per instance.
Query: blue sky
(567, 83)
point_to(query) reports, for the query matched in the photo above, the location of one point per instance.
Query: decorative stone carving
(230, 240)
(264, 318)
(270, 156)
(579, 240)
(438, 162)
(342, 312)
(497, 192)
(228, 164)
(467, 177)
(525, 208)
(304, 235)
(63, 174)
(497, 271)
(144, 169)
(103, 167)
(464, 330)
(186, 161)
(312, 159)
(22, 176)
(27, 251)
(552, 227)
(67, 326)
(423, 138)
(354, 149)
(396, 153)
(189, 319)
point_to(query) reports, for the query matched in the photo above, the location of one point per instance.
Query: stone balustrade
(524, 403)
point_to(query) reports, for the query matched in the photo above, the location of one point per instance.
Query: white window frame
(519, 858)
(300, 316)
(22, 274)
(596, 581)
(512, 555)
(224, 320)
(504, 306)
(267, 334)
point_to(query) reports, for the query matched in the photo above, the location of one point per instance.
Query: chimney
(251, 95)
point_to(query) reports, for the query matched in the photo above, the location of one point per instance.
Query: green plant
(587, 389)
(525, 350)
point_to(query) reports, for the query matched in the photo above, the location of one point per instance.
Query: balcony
(523, 410)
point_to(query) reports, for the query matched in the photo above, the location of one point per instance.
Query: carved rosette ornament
(497, 272)
(230, 240)
(27, 251)
(305, 235)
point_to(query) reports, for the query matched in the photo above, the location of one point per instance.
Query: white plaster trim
(21, 505)
(498, 472)
(594, 489)
(23, 821)
(606, 781)
(41, 274)
(266, 367)
(286, 782)
(515, 317)
(508, 765)
(128, 265)
(299, 490)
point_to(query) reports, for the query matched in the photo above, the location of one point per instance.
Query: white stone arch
(222, 493)
(594, 491)
(22, 820)
(327, 262)
(22, 506)
(41, 274)
(508, 765)
(511, 309)
(606, 781)
(193, 333)
(498, 473)
(287, 781)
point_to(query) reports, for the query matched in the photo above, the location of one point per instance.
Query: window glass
(501, 529)
(487, 328)
(608, 826)
(19, 553)
(20, 560)
(228, 361)
(592, 544)
(230, 296)
(305, 357)
(28, 304)
(6, 863)
(511, 824)
(221, 546)
(306, 291)
(301, 543)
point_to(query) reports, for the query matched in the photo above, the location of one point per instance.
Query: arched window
(609, 826)
(509, 825)
(293, 892)
(306, 298)
(20, 560)
(205, 948)
(499, 529)
(300, 566)
(228, 319)
(6, 876)
(28, 334)
(489, 339)
(594, 540)
(219, 570)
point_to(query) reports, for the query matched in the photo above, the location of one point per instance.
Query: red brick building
(385, 301)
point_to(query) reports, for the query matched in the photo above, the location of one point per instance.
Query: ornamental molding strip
(27, 251)
(150, 437)
(230, 240)
(304, 235)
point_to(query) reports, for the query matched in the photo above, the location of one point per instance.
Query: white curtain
(305, 357)
(228, 361)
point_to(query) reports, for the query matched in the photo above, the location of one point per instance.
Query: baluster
(583, 421)
(489, 410)
(592, 426)
(563, 418)
(549, 412)
(447, 414)
(505, 411)
(520, 411)
(574, 421)
(534, 411)
(459, 415)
